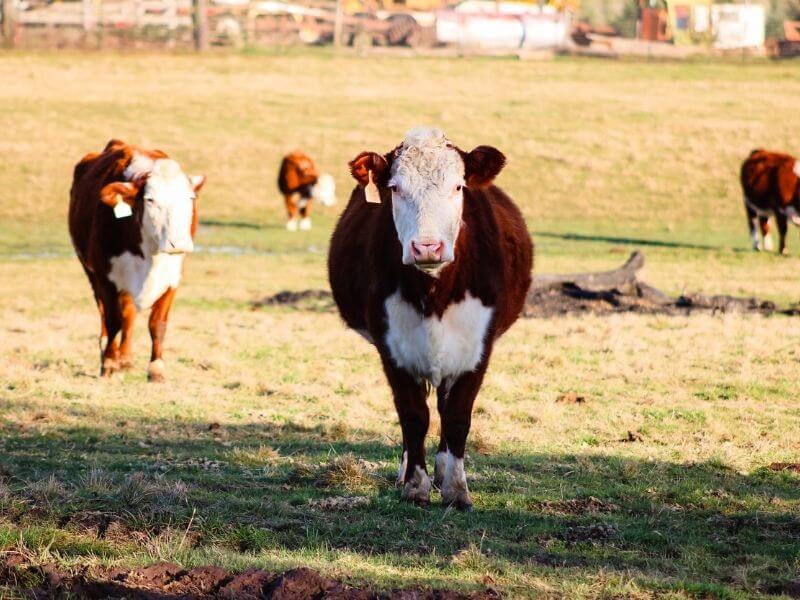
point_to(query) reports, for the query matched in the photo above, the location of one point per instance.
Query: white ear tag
(122, 209)
(371, 191)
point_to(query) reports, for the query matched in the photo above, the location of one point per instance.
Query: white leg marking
(291, 225)
(401, 473)
(439, 468)
(768, 242)
(454, 486)
(305, 224)
(418, 489)
(155, 371)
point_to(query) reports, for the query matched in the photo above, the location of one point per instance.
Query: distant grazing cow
(132, 219)
(771, 186)
(431, 263)
(300, 183)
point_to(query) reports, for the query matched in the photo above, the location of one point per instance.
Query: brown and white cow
(771, 186)
(132, 219)
(431, 263)
(300, 183)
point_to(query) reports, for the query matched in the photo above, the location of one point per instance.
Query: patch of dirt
(571, 398)
(632, 436)
(779, 466)
(162, 581)
(602, 293)
(307, 300)
(575, 506)
(595, 533)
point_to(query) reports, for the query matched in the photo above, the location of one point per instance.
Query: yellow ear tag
(371, 191)
(122, 209)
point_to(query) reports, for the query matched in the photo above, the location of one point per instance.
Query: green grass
(266, 413)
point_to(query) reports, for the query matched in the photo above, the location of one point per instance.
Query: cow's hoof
(291, 225)
(125, 362)
(109, 367)
(155, 372)
(768, 243)
(460, 500)
(305, 224)
(438, 469)
(418, 488)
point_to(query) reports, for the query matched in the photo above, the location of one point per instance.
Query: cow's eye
(392, 188)
(459, 188)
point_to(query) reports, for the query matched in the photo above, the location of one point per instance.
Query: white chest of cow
(146, 278)
(437, 348)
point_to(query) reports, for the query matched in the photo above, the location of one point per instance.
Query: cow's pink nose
(427, 251)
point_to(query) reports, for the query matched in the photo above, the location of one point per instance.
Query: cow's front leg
(441, 452)
(158, 329)
(410, 401)
(291, 212)
(128, 312)
(456, 421)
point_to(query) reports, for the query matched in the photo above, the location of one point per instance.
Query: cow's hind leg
(128, 313)
(763, 223)
(158, 329)
(456, 421)
(305, 215)
(780, 219)
(752, 226)
(410, 401)
(111, 316)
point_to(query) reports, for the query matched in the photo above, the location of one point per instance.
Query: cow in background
(431, 263)
(132, 220)
(300, 183)
(771, 186)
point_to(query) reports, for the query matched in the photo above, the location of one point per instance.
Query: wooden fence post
(8, 23)
(338, 23)
(200, 22)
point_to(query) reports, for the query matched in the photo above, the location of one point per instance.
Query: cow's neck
(429, 294)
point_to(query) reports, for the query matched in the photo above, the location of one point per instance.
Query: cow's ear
(119, 191)
(482, 165)
(197, 181)
(369, 162)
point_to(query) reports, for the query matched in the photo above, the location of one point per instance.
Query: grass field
(266, 413)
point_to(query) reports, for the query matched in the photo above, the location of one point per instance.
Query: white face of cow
(169, 197)
(324, 191)
(426, 177)
(427, 182)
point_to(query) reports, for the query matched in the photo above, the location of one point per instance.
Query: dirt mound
(163, 581)
(601, 293)
(307, 300)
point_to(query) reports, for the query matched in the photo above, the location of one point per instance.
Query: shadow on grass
(253, 487)
(628, 241)
(233, 224)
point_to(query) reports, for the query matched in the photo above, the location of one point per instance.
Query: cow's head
(324, 191)
(425, 178)
(167, 197)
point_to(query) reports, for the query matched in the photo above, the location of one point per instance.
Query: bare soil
(600, 293)
(164, 580)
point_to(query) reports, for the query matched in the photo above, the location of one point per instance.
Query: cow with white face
(431, 263)
(132, 219)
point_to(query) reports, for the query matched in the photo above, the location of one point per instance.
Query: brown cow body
(300, 183)
(433, 322)
(132, 257)
(771, 186)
